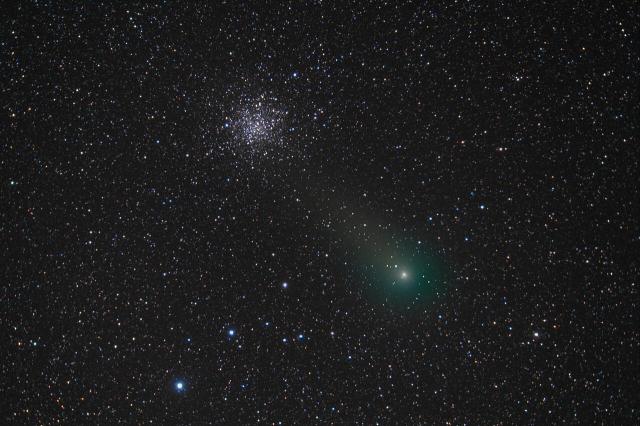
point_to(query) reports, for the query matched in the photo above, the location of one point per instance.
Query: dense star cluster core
(319, 212)
(257, 129)
(255, 126)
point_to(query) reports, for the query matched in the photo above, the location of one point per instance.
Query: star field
(319, 212)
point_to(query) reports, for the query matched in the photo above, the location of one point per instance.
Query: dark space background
(203, 207)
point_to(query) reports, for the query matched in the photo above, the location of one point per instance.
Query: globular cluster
(319, 212)
(257, 130)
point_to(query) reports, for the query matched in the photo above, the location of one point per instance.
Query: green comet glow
(394, 269)
(405, 278)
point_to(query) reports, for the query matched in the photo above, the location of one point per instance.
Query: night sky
(319, 212)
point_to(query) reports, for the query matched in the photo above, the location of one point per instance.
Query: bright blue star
(231, 332)
(180, 386)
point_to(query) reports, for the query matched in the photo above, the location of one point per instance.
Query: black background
(137, 230)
